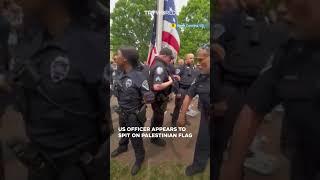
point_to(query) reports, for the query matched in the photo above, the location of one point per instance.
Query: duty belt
(183, 86)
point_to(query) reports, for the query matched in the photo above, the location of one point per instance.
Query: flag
(153, 47)
(170, 36)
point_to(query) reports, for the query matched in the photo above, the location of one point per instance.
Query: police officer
(187, 74)
(293, 80)
(61, 78)
(201, 87)
(161, 83)
(248, 44)
(133, 93)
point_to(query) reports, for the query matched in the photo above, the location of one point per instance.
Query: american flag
(170, 36)
(153, 47)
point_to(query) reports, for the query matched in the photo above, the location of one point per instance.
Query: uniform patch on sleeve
(158, 79)
(178, 71)
(145, 85)
(159, 70)
(59, 68)
(128, 83)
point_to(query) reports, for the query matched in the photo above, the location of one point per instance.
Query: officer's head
(203, 57)
(180, 62)
(189, 58)
(227, 5)
(252, 4)
(127, 57)
(43, 8)
(304, 18)
(166, 55)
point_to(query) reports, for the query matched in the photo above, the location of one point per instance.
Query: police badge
(177, 71)
(128, 83)
(59, 68)
(159, 70)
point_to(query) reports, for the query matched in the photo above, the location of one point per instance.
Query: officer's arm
(148, 96)
(186, 102)
(162, 86)
(260, 100)
(243, 134)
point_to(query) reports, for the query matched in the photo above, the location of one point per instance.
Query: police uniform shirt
(133, 86)
(74, 93)
(293, 79)
(159, 73)
(187, 74)
(248, 44)
(201, 87)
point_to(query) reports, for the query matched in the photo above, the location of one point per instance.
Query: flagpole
(160, 6)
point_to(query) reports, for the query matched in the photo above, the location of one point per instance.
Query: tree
(193, 26)
(131, 25)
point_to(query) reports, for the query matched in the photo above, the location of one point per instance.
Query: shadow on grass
(167, 171)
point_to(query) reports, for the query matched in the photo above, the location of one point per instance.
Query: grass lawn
(165, 171)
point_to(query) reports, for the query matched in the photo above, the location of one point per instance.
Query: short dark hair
(167, 52)
(131, 54)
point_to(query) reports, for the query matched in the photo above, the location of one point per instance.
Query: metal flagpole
(160, 6)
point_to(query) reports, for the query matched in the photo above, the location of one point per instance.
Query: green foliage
(195, 12)
(131, 25)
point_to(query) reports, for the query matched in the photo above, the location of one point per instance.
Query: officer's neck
(127, 69)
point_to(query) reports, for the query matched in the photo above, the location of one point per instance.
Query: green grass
(167, 171)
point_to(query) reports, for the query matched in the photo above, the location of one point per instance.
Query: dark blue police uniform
(64, 98)
(159, 73)
(130, 91)
(201, 87)
(187, 74)
(293, 80)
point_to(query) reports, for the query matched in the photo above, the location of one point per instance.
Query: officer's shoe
(118, 151)
(193, 169)
(158, 141)
(135, 168)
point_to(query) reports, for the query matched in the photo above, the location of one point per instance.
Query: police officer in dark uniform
(187, 74)
(133, 93)
(248, 43)
(62, 82)
(292, 79)
(161, 83)
(200, 86)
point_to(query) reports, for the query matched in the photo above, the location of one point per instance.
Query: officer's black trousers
(137, 142)
(178, 103)
(202, 149)
(158, 107)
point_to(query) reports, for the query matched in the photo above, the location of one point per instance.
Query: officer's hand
(170, 80)
(181, 120)
(230, 171)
